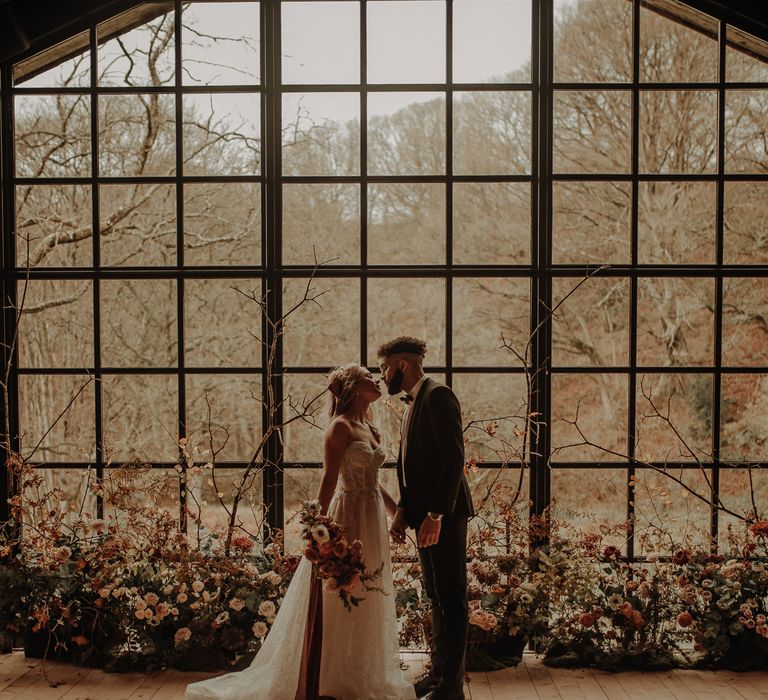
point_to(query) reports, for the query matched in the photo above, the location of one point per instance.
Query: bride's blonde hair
(341, 384)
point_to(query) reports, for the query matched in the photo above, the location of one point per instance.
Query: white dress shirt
(413, 393)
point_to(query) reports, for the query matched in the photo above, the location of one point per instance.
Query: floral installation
(130, 592)
(336, 561)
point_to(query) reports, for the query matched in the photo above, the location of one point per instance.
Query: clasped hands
(428, 535)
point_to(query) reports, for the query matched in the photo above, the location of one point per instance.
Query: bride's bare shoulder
(339, 432)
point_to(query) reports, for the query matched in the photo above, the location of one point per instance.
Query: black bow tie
(407, 398)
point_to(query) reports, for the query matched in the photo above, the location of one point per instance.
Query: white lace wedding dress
(360, 659)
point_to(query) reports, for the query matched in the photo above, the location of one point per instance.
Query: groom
(435, 501)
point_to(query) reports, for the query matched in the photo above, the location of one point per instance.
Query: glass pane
(139, 486)
(746, 57)
(325, 332)
(487, 313)
(143, 54)
(671, 52)
(745, 226)
(667, 514)
(406, 133)
(597, 404)
(591, 499)
(746, 113)
(737, 489)
(74, 499)
(675, 325)
(58, 413)
(224, 410)
(140, 415)
(492, 223)
(222, 134)
(321, 133)
(300, 485)
(406, 224)
(208, 507)
(56, 326)
(678, 131)
(52, 135)
(406, 42)
(592, 132)
(220, 43)
(743, 408)
(138, 224)
(492, 41)
(591, 326)
(222, 223)
(677, 222)
(137, 136)
(591, 222)
(57, 67)
(491, 133)
(493, 408)
(593, 41)
(53, 226)
(304, 438)
(497, 490)
(674, 417)
(745, 321)
(392, 312)
(138, 323)
(321, 222)
(320, 42)
(220, 323)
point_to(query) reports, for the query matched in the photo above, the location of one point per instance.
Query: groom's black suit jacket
(434, 460)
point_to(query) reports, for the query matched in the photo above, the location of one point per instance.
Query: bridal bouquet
(335, 560)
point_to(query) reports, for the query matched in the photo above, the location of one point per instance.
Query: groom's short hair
(402, 344)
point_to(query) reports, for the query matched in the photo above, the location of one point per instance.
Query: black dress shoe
(424, 684)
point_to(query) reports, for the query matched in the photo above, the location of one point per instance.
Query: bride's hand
(399, 524)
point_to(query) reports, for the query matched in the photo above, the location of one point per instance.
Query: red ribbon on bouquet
(309, 676)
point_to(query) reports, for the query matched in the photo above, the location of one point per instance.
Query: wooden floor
(23, 679)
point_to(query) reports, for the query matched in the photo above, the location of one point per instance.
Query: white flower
(266, 608)
(237, 604)
(320, 534)
(168, 590)
(197, 585)
(221, 618)
(183, 634)
(181, 597)
(274, 578)
(260, 629)
(614, 601)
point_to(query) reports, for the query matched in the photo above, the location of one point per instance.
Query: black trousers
(444, 568)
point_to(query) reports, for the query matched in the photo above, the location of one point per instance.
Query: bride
(360, 656)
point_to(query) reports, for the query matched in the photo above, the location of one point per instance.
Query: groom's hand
(429, 533)
(399, 524)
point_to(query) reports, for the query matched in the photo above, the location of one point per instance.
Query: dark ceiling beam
(27, 26)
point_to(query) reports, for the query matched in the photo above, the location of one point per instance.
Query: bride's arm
(389, 502)
(336, 440)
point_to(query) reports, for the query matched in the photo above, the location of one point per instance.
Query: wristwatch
(435, 516)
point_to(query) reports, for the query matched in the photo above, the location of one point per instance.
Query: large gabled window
(463, 166)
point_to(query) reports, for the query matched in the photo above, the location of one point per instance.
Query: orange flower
(80, 640)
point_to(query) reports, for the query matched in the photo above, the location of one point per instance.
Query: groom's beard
(395, 385)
